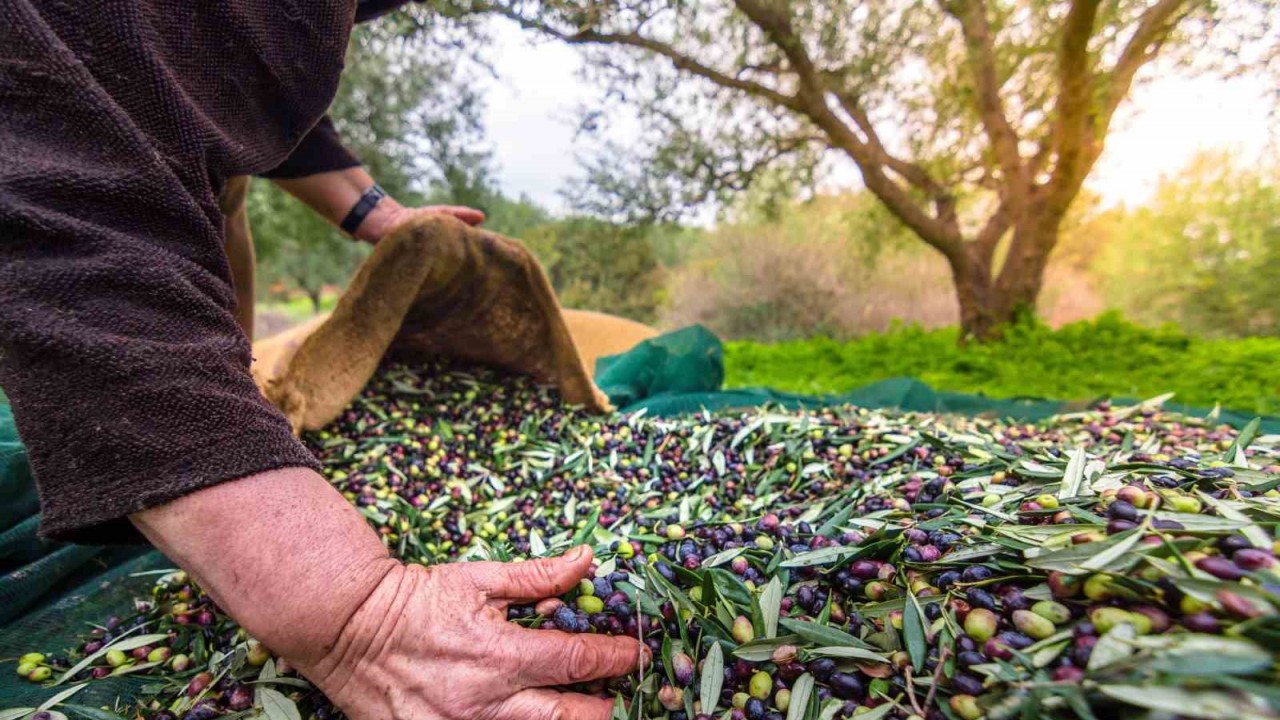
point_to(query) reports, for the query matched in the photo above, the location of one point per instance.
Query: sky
(531, 108)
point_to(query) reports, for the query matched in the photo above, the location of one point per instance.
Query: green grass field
(1081, 361)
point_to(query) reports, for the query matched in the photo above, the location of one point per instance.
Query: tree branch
(1153, 29)
(634, 39)
(911, 172)
(988, 238)
(1075, 84)
(979, 43)
(809, 101)
(941, 231)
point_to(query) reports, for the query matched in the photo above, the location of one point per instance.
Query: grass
(1081, 361)
(298, 307)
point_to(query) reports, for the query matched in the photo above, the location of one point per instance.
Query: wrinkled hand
(435, 643)
(389, 214)
(435, 286)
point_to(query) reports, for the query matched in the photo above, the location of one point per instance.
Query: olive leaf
(761, 650)
(277, 706)
(913, 633)
(800, 693)
(712, 678)
(1073, 478)
(832, 707)
(820, 634)
(848, 653)
(1205, 655)
(1207, 704)
(121, 643)
(771, 606)
(1113, 647)
(1243, 440)
(59, 697)
(1250, 530)
(821, 556)
(723, 557)
(1114, 553)
(1073, 559)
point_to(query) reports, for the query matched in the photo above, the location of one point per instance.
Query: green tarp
(50, 593)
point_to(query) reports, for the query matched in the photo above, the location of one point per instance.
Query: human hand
(389, 214)
(333, 194)
(434, 642)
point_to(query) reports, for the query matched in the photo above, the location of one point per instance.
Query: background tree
(599, 265)
(1202, 253)
(975, 122)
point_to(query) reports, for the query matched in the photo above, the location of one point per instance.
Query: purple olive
(1201, 622)
(1220, 567)
(1252, 559)
(846, 685)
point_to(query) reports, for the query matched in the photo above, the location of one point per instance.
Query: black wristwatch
(365, 205)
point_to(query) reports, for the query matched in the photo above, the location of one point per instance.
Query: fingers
(531, 579)
(550, 657)
(470, 216)
(551, 705)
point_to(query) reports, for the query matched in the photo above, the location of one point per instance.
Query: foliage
(1080, 361)
(597, 265)
(1203, 253)
(512, 217)
(835, 265)
(974, 122)
(296, 247)
(409, 108)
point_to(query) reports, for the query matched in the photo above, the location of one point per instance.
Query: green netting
(682, 372)
(49, 592)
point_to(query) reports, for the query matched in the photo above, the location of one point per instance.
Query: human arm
(129, 382)
(297, 566)
(332, 195)
(328, 178)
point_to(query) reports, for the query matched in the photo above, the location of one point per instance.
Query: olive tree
(975, 122)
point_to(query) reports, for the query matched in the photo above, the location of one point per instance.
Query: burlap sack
(438, 287)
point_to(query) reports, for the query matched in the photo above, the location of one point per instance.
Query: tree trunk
(314, 297)
(988, 303)
(979, 318)
(1034, 237)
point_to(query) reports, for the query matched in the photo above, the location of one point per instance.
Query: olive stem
(911, 691)
(943, 656)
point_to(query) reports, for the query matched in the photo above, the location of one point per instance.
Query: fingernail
(575, 554)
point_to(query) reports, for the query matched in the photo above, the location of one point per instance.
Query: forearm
(282, 552)
(333, 194)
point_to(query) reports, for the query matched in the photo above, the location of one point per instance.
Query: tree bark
(975, 289)
(1022, 276)
(988, 302)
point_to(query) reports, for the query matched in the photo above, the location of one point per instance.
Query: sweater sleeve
(321, 150)
(126, 372)
(129, 380)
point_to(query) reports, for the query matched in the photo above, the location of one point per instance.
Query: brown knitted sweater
(119, 122)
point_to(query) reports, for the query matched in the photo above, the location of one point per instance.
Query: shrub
(831, 266)
(1079, 361)
(597, 265)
